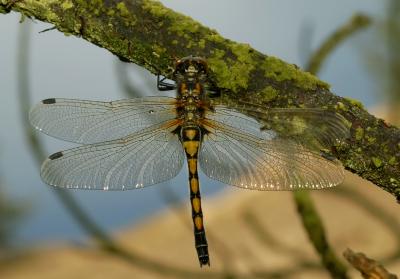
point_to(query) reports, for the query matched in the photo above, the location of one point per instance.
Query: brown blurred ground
(278, 244)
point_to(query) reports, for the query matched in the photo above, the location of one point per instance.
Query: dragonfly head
(190, 67)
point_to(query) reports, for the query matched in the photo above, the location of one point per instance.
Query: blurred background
(258, 234)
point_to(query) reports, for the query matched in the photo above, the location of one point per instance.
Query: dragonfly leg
(162, 85)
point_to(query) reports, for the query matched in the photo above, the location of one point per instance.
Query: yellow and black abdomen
(191, 140)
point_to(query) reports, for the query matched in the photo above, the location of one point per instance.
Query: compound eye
(202, 67)
(180, 67)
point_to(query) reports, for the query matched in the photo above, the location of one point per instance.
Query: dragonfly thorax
(191, 94)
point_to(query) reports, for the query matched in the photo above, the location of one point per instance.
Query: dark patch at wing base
(56, 155)
(49, 101)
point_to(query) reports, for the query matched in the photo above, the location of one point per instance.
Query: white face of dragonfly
(191, 69)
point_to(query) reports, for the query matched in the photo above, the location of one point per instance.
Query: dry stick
(85, 222)
(369, 268)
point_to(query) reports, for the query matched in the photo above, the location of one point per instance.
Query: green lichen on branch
(153, 36)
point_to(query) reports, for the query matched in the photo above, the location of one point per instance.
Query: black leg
(162, 85)
(213, 92)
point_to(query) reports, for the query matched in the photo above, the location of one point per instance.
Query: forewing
(314, 128)
(146, 158)
(236, 152)
(88, 122)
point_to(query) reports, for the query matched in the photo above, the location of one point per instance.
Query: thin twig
(356, 23)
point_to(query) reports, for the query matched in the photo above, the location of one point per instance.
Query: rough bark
(148, 34)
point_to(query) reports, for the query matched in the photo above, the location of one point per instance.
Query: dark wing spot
(49, 101)
(56, 155)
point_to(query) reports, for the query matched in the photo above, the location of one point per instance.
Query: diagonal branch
(148, 34)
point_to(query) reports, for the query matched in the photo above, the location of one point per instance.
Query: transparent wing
(91, 121)
(146, 158)
(236, 152)
(313, 127)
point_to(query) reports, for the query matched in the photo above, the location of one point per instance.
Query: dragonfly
(134, 143)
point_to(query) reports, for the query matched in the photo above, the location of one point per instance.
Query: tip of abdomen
(204, 260)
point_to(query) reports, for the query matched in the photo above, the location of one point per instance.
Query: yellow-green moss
(371, 140)
(359, 133)
(123, 10)
(392, 161)
(111, 12)
(184, 25)
(215, 37)
(155, 8)
(202, 43)
(67, 5)
(354, 102)
(218, 66)
(269, 93)
(179, 24)
(278, 70)
(340, 106)
(42, 7)
(234, 73)
(377, 162)
(158, 50)
(129, 18)
(240, 70)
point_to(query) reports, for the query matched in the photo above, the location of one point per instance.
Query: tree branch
(148, 34)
